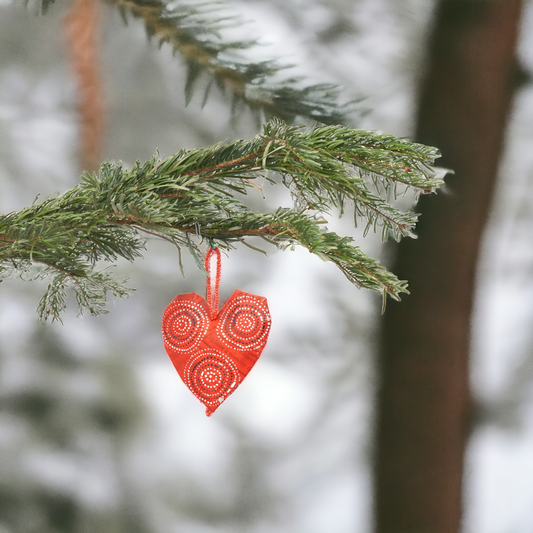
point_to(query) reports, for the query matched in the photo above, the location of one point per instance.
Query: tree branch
(194, 31)
(201, 192)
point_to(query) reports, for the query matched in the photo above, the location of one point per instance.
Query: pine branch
(198, 195)
(194, 31)
(81, 25)
(41, 5)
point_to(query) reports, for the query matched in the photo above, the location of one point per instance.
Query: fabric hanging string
(213, 282)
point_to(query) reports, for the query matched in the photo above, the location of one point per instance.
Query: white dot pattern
(244, 323)
(185, 324)
(211, 376)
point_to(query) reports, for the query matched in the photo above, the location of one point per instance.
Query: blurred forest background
(97, 432)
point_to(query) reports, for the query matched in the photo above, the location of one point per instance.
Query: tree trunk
(82, 24)
(423, 401)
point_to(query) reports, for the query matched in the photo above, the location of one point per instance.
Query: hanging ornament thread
(214, 351)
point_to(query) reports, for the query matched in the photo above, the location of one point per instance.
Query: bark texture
(423, 401)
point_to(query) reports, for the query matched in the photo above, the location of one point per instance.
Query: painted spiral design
(211, 377)
(185, 323)
(244, 323)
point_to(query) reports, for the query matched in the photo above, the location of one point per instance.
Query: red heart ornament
(213, 352)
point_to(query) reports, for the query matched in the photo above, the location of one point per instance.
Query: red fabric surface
(213, 352)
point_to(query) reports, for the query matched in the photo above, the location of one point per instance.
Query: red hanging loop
(213, 284)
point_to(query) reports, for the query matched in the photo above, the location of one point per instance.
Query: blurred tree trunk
(82, 25)
(423, 402)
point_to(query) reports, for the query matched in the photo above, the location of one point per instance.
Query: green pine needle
(194, 31)
(198, 195)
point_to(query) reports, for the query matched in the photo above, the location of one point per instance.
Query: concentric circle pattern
(211, 377)
(244, 323)
(185, 324)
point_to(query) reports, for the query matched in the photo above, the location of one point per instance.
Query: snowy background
(97, 432)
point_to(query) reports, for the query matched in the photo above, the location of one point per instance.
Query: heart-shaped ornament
(214, 351)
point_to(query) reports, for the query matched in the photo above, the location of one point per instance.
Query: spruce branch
(194, 30)
(198, 195)
(41, 5)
